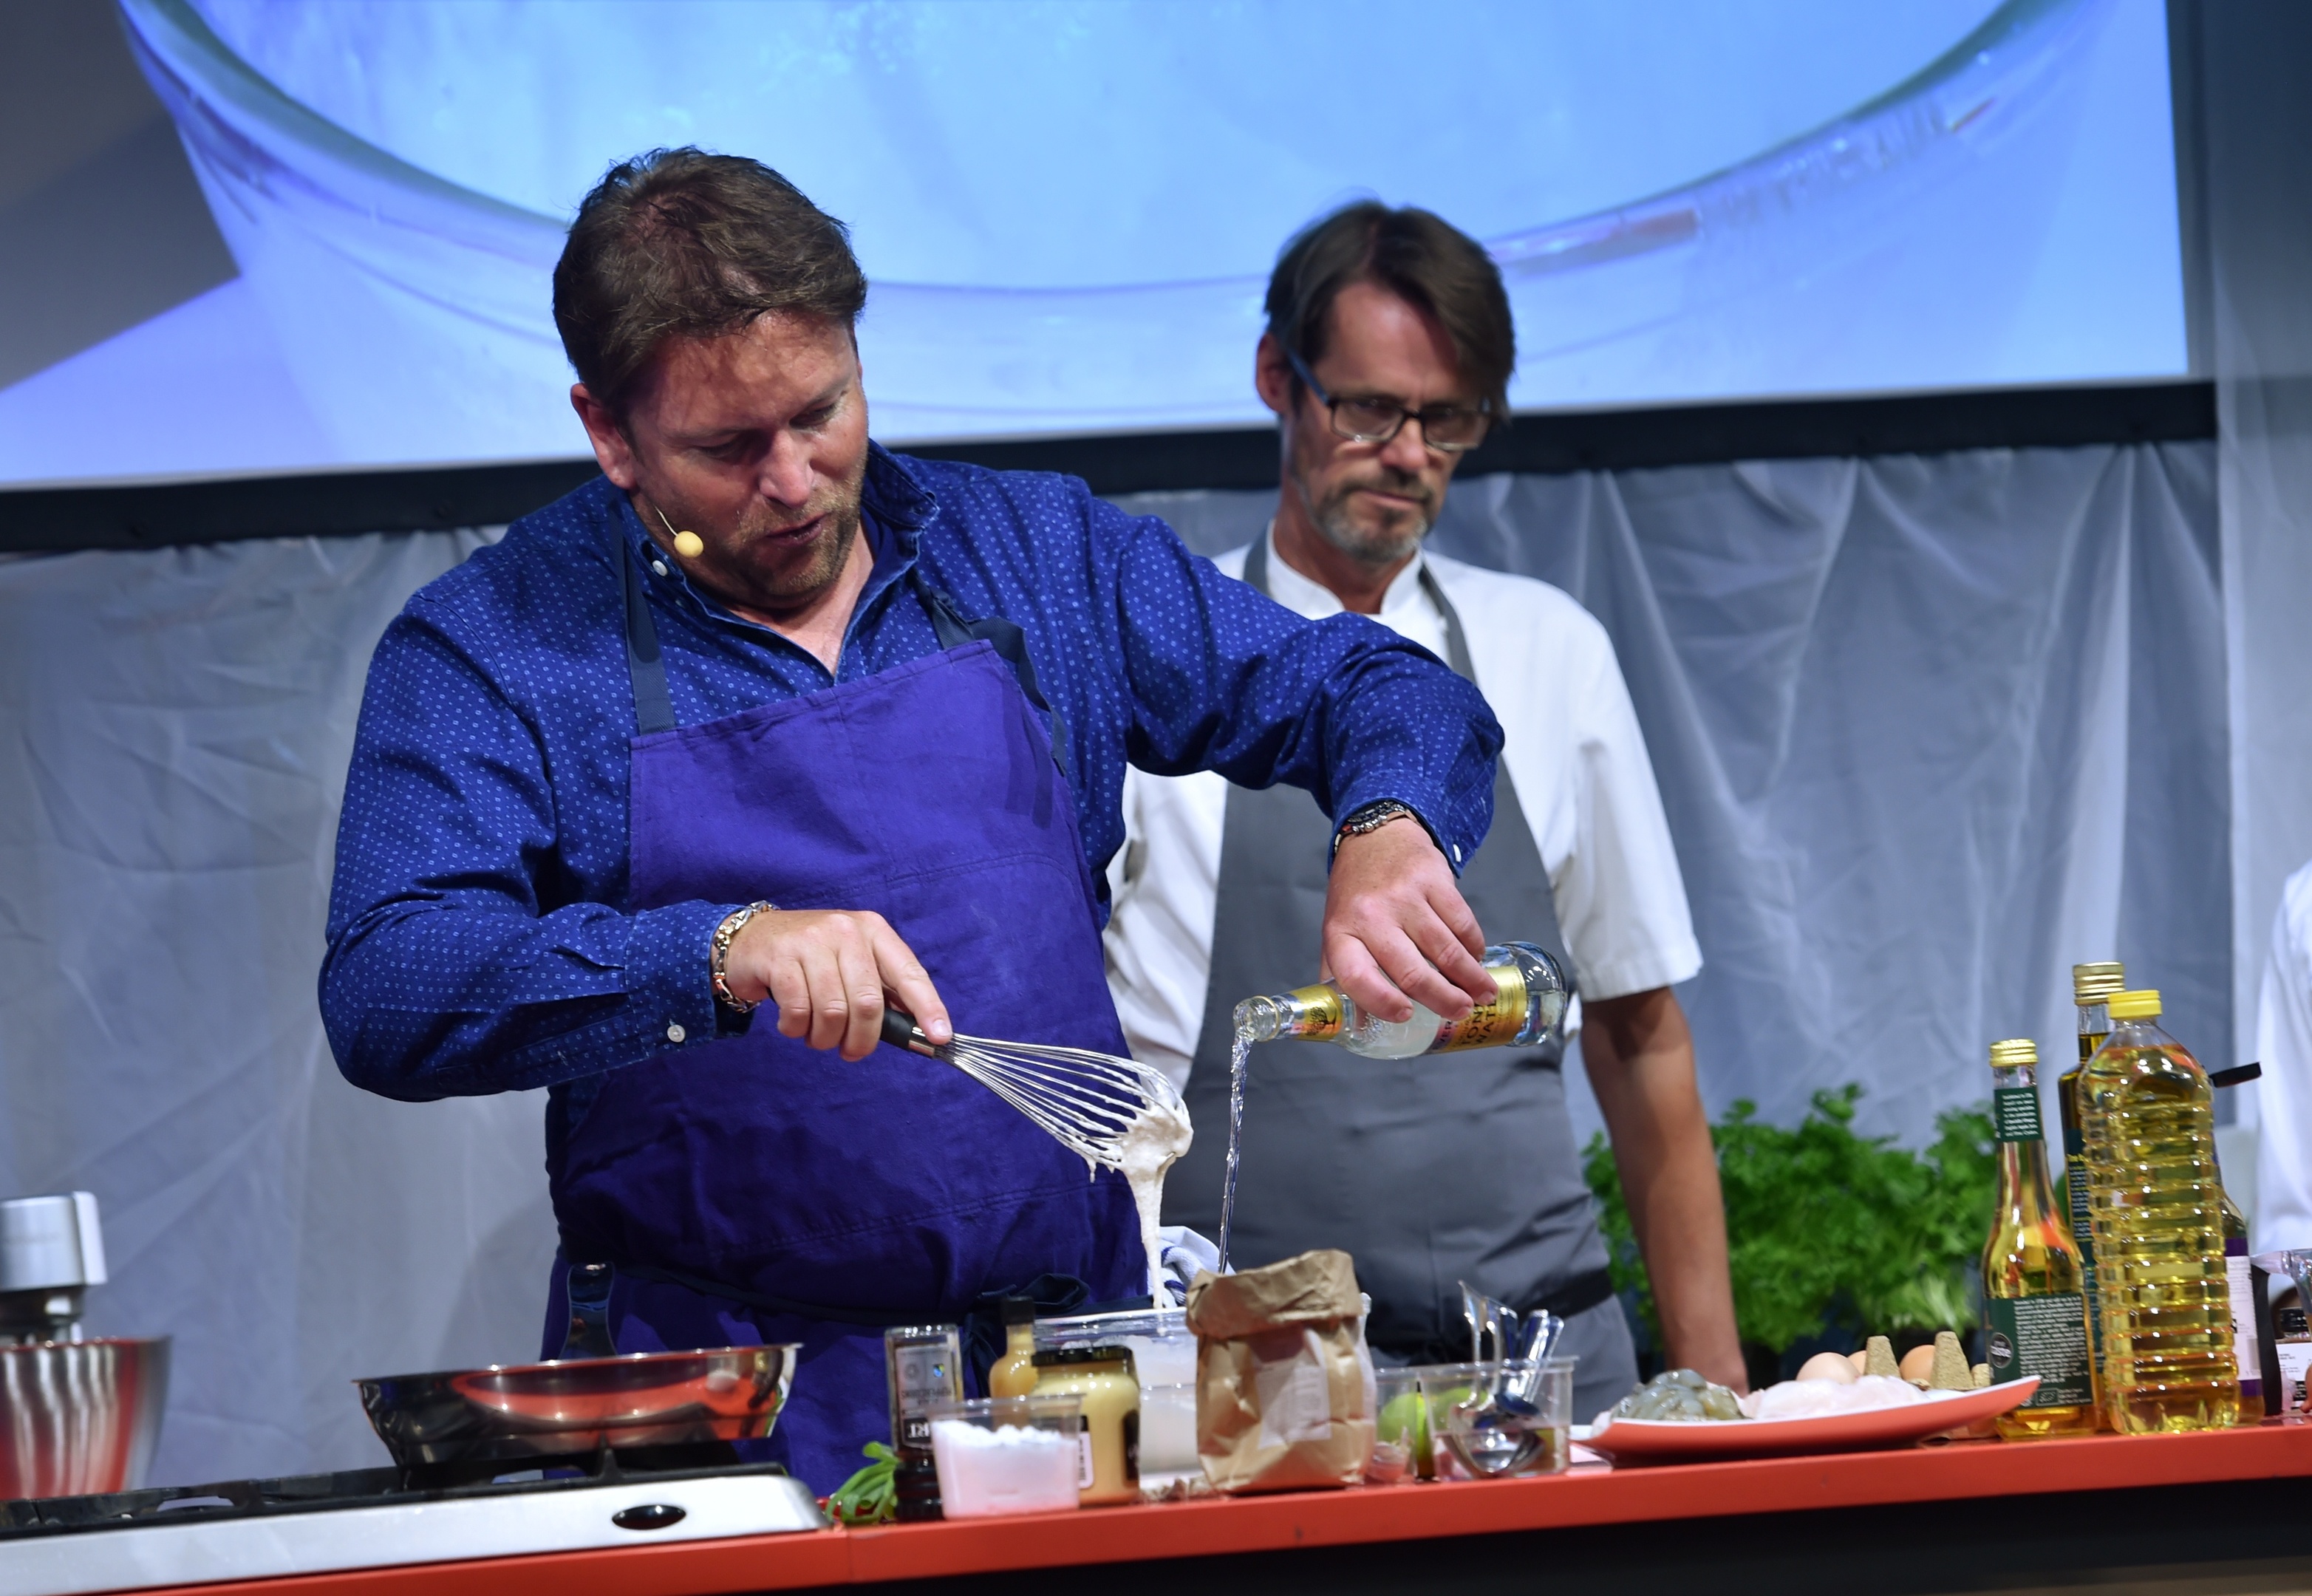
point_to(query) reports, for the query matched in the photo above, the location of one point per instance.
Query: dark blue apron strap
(654, 709)
(1011, 645)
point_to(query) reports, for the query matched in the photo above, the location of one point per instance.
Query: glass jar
(1108, 1466)
(1164, 1356)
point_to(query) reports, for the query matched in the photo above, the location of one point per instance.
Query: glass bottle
(1014, 1374)
(2148, 1124)
(2035, 1314)
(2092, 985)
(923, 1366)
(1529, 1008)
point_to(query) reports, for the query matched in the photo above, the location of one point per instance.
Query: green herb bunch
(869, 1496)
(1821, 1221)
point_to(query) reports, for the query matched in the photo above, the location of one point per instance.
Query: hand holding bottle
(1397, 931)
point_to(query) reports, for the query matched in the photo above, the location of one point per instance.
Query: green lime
(1402, 1420)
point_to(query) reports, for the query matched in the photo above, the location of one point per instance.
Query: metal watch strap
(724, 936)
(1373, 817)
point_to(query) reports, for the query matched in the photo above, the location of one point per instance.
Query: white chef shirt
(2283, 1107)
(1573, 751)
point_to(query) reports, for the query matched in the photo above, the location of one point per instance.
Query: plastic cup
(1401, 1429)
(1475, 1436)
(998, 1456)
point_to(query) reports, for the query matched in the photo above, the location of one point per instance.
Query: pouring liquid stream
(1239, 1051)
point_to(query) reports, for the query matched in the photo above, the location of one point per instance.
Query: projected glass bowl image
(1068, 212)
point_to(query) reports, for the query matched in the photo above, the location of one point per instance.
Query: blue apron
(758, 1189)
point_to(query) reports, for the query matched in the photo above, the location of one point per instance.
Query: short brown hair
(679, 243)
(1422, 258)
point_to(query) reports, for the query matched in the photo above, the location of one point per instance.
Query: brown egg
(1861, 1358)
(1832, 1366)
(1918, 1364)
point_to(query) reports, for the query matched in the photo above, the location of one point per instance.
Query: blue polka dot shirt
(478, 938)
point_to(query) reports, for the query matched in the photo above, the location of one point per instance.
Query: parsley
(1824, 1223)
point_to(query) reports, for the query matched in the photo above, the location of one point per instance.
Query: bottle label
(2043, 1336)
(2015, 1114)
(2075, 1194)
(2246, 1356)
(2075, 1183)
(1489, 1023)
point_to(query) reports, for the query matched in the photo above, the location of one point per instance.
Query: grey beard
(1372, 549)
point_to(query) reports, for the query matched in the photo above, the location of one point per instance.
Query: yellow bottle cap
(2014, 1053)
(2092, 983)
(2141, 1004)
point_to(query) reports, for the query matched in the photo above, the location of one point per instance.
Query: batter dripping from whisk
(1150, 1146)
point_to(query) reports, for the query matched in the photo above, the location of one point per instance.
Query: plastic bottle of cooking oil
(2240, 1278)
(2092, 985)
(2035, 1316)
(1530, 1006)
(2149, 1125)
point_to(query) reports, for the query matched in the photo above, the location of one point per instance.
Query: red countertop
(1217, 1525)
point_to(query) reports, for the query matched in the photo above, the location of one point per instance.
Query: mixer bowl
(78, 1417)
(577, 1404)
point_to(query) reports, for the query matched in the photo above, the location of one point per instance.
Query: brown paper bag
(1284, 1386)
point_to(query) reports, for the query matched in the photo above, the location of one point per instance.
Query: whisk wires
(1083, 1099)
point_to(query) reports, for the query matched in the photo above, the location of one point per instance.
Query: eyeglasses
(1451, 428)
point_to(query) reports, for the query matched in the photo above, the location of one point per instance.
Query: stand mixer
(76, 1415)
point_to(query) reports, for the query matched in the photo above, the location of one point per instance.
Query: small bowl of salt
(998, 1456)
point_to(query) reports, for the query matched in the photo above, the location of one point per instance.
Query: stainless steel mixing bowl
(80, 1416)
(579, 1405)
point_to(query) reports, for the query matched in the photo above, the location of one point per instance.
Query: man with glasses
(1387, 356)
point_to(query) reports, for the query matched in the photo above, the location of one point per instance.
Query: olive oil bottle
(2092, 985)
(2033, 1312)
(2149, 1123)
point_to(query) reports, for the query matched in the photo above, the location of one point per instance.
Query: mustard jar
(1108, 1440)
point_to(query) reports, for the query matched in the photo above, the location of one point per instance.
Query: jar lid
(1019, 1311)
(2092, 983)
(2141, 1004)
(1059, 1356)
(2014, 1053)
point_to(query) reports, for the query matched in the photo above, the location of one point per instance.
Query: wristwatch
(1373, 817)
(724, 934)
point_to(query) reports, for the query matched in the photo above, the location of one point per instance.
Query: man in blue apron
(765, 715)
(1387, 356)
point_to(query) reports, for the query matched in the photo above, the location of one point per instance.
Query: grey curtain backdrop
(1927, 731)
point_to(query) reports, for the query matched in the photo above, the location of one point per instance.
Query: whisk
(1085, 1100)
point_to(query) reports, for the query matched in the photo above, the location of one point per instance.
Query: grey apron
(1429, 1171)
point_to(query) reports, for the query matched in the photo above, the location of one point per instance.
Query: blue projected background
(1068, 210)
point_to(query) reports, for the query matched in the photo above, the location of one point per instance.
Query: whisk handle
(900, 1030)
